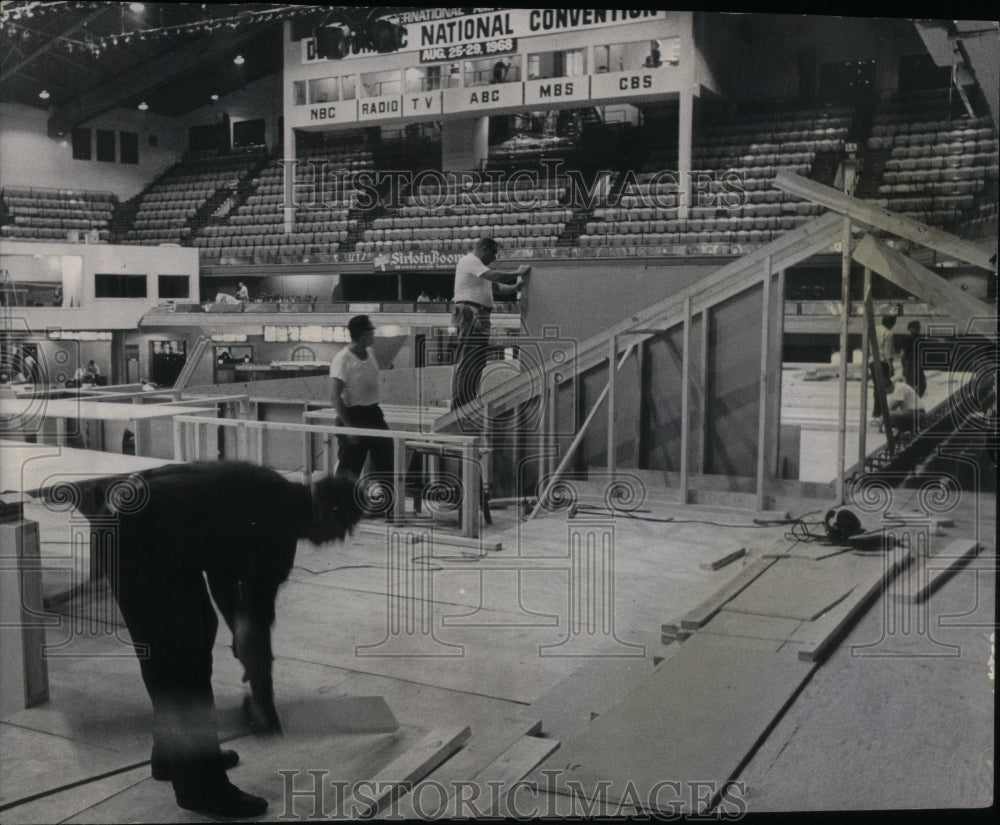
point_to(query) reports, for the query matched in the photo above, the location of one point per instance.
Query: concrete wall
(29, 157)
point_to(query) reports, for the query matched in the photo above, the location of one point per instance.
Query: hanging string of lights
(13, 14)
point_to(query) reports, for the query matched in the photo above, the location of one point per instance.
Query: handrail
(466, 445)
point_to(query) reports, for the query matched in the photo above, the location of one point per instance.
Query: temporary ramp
(707, 367)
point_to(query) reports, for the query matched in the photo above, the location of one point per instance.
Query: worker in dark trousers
(237, 525)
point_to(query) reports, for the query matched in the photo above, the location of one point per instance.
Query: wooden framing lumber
(722, 561)
(817, 637)
(935, 569)
(400, 774)
(459, 541)
(925, 284)
(713, 604)
(876, 216)
(516, 762)
(484, 747)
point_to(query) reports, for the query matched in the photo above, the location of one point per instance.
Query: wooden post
(685, 398)
(703, 411)
(178, 440)
(877, 379)
(612, 354)
(576, 441)
(845, 312)
(259, 444)
(399, 479)
(470, 490)
(551, 439)
(863, 424)
(765, 389)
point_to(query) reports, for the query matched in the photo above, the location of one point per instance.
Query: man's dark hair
(888, 321)
(358, 326)
(488, 244)
(339, 499)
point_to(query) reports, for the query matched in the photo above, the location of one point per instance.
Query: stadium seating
(55, 214)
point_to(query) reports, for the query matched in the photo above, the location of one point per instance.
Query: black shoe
(163, 771)
(222, 800)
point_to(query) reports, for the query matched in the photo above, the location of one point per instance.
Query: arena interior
(684, 554)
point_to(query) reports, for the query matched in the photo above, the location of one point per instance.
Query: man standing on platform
(474, 283)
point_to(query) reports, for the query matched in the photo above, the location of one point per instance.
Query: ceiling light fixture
(138, 8)
(44, 94)
(143, 106)
(239, 60)
(215, 97)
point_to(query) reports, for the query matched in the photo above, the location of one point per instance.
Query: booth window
(119, 286)
(324, 90)
(173, 286)
(106, 145)
(81, 143)
(303, 354)
(128, 145)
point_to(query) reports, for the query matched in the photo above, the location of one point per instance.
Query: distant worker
(169, 544)
(906, 410)
(909, 359)
(354, 393)
(242, 293)
(423, 297)
(500, 69)
(886, 346)
(475, 280)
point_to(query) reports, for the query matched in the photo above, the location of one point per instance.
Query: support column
(464, 144)
(845, 314)
(290, 164)
(684, 130)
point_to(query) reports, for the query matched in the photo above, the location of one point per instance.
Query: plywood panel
(793, 589)
(661, 414)
(695, 720)
(733, 369)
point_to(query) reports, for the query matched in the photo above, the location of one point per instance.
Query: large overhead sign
(493, 27)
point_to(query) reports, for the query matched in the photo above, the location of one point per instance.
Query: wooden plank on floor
(701, 716)
(63, 806)
(793, 589)
(934, 570)
(713, 604)
(815, 638)
(515, 763)
(722, 561)
(588, 691)
(484, 747)
(749, 625)
(408, 769)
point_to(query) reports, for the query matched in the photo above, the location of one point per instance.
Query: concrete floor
(900, 716)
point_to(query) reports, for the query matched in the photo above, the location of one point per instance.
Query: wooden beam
(818, 636)
(713, 604)
(722, 561)
(765, 388)
(925, 284)
(685, 398)
(877, 378)
(926, 578)
(399, 775)
(863, 413)
(875, 216)
(845, 317)
(486, 746)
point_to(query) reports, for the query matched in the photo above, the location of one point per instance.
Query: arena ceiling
(88, 57)
(79, 58)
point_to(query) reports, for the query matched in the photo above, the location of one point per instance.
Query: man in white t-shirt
(354, 393)
(906, 410)
(473, 301)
